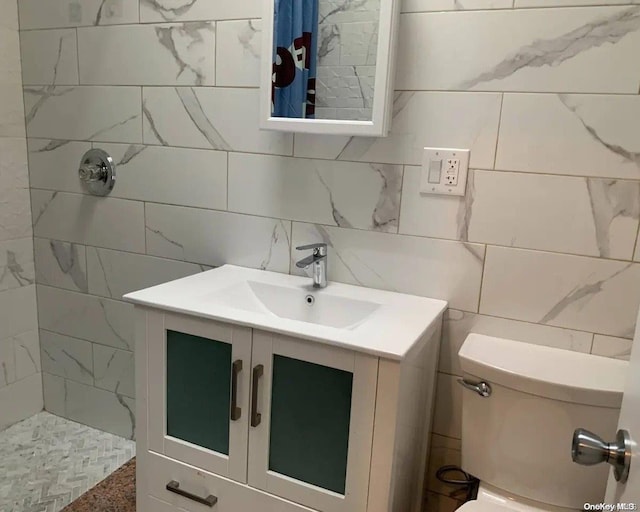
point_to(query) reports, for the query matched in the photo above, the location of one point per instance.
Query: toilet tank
(519, 438)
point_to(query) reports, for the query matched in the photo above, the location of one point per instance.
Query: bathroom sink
(375, 321)
(301, 303)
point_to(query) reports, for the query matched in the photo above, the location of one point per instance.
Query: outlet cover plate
(428, 182)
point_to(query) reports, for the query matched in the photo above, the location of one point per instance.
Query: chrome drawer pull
(256, 417)
(482, 388)
(236, 412)
(174, 487)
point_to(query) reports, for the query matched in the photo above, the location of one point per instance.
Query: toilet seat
(491, 499)
(483, 506)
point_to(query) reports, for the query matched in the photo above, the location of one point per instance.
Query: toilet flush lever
(588, 449)
(482, 388)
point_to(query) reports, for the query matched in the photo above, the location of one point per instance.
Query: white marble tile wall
(544, 249)
(20, 368)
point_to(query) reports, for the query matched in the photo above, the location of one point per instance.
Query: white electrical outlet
(451, 180)
(444, 171)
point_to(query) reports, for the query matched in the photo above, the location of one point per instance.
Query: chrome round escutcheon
(97, 172)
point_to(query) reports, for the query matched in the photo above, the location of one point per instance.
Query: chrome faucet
(319, 261)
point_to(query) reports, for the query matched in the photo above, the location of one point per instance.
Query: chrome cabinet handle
(174, 487)
(588, 449)
(256, 417)
(482, 388)
(236, 412)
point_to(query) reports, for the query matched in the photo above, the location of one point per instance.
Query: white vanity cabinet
(233, 418)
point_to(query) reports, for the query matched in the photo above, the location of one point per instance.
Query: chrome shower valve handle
(97, 172)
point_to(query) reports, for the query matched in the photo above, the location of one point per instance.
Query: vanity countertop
(382, 323)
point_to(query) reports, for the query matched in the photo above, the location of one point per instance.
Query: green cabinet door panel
(198, 390)
(310, 418)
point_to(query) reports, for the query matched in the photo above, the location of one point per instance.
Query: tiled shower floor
(46, 462)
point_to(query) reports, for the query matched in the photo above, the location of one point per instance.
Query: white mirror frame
(384, 85)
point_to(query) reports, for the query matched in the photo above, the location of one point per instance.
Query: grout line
(513, 8)
(215, 52)
(636, 247)
(226, 206)
(482, 276)
(320, 159)
(363, 230)
(144, 220)
(495, 154)
(402, 178)
(84, 340)
(632, 94)
(528, 322)
(77, 59)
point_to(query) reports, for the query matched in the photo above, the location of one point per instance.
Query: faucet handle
(320, 245)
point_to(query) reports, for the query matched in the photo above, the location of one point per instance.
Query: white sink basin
(298, 303)
(375, 321)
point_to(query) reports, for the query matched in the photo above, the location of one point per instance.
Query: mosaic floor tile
(46, 462)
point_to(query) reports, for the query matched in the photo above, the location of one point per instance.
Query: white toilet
(517, 440)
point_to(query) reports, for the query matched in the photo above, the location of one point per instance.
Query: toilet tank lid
(545, 371)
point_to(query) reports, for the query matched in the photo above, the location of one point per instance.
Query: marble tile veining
(27, 352)
(84, 219)
(212, 237)
(602, 221)
(180, 54)
(344, 194)
(109, 114)
(113, 274)
(67, 357)
(197, 117)
(434, 119)
(46, 462)
(590, 294)
(459, 324)
(114, 370)
(49, 57)
(190, 10)
(87, 317)
(239, 46)
(61, 264)
(105, 410)
(542, 50)
(52, 164)
(577, 134)
(16, 263)
(36, 14)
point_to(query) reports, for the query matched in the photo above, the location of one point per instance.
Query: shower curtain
(295, 58)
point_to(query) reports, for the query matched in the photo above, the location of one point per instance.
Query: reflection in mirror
(324, 59)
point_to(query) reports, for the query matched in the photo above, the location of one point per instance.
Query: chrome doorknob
(588, 449)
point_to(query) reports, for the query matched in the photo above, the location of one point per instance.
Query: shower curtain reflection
(295, 58)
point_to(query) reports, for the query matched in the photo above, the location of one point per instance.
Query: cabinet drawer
(156, 505)
(231, 496)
